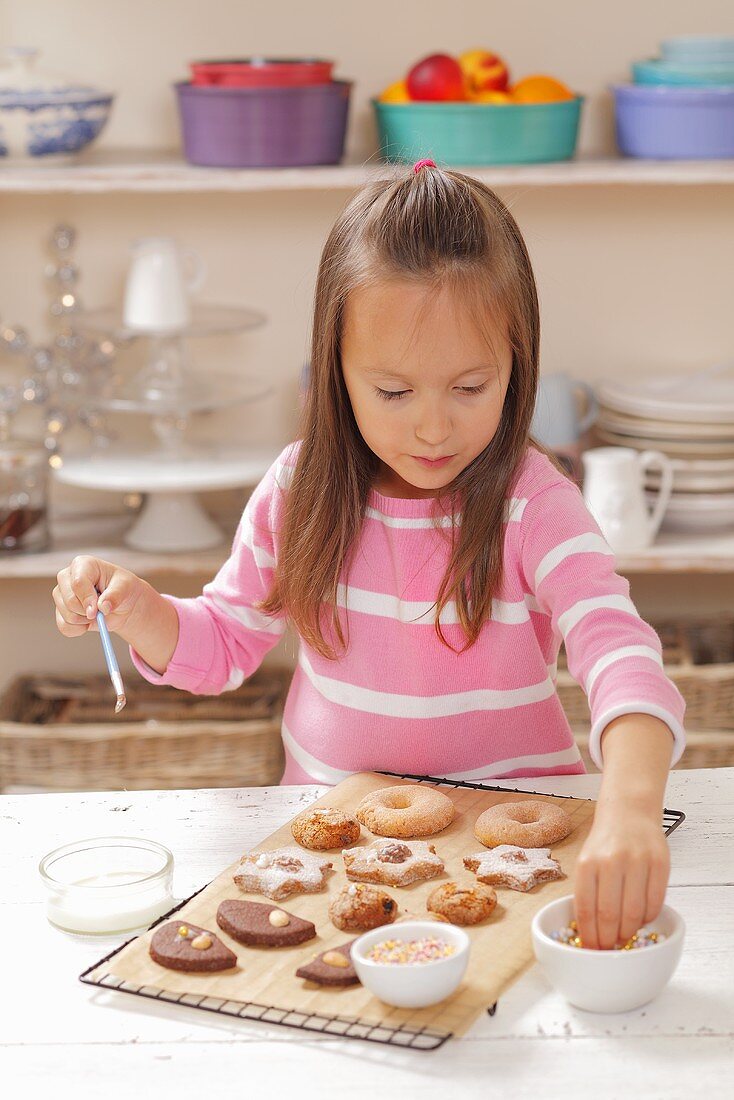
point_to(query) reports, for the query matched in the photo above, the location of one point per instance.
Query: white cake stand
(172, 518)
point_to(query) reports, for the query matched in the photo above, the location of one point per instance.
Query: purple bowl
(264, 127)
(667, 122)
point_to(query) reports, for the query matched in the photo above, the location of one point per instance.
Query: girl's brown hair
(439, 228)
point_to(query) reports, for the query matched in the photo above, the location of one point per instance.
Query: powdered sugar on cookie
(392, 862)
(282, 872)
(516, 868)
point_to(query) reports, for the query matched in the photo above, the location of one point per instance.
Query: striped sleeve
(612, 652)
(223, 637)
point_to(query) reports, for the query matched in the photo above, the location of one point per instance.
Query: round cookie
(462, 904)
(525, 824)
(405, 811)
(325, 827)
(358, 907)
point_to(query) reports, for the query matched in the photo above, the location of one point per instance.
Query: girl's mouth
(433, 463)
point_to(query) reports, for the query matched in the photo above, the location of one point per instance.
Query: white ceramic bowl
(412, 985)
(606, 981)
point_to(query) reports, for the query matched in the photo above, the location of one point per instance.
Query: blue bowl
(664, 72)
(697, 49)
(674, 123)
(478, 133)
(40, 126)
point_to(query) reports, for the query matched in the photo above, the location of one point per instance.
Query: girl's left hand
(621, 875)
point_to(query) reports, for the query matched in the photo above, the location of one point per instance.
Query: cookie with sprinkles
(517, 868)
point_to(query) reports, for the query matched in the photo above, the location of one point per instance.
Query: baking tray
(399, 1033)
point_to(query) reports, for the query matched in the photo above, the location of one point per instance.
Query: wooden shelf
(149, 171)
(102, 537)
(679, 553)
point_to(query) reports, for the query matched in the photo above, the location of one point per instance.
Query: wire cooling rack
(345, 1027)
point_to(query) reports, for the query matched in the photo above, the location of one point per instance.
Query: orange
(491, 97)
(395, 93)
(540, 89)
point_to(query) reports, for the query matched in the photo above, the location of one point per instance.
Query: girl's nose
(433, 426)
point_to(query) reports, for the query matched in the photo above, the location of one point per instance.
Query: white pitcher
(614, 493)
(160, 279)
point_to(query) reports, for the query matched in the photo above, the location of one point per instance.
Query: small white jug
(158, 285)
(614, 493)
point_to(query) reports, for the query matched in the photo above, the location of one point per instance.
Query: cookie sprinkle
(402, 952)
(642, 938)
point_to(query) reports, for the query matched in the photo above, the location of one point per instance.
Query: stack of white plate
(690, 418)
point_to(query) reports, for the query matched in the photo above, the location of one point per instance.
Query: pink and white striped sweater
(402, 701)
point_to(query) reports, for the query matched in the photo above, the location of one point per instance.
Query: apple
(437, 77)
(484, 71)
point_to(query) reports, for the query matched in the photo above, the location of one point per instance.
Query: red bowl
(262, 72)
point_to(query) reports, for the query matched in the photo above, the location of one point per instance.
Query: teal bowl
(674, 72)
(478, 133)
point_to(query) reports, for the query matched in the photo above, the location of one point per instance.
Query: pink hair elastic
(423, 164)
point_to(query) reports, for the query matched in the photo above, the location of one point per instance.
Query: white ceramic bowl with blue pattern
(45, 117)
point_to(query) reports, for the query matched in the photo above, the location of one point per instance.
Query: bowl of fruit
(466, 111)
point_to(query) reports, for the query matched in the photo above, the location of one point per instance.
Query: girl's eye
(395, 395)
(392, 395)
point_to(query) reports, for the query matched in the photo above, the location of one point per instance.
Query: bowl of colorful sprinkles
(412, 964)
(615, 980)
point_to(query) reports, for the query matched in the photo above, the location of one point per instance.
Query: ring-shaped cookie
(406, 810)
(526, 824)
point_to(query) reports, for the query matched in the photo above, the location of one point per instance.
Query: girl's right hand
(77, 600)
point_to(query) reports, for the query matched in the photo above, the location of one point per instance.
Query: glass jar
(107, 885)
(23, 497)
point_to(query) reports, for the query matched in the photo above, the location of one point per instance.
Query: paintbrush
(112, 666)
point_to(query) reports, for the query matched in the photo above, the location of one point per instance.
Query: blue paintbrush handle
(109, 653)
(112, 666)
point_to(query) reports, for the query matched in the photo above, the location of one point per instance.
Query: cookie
(516, 868)
(255, 923)
(332, 967)
(282, 872)
(528, 823)
(357, 908)
(405, 810)
(180, 945)
(462, 904)
(325, 827)
(392, 862)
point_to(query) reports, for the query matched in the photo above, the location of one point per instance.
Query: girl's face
(426, 389)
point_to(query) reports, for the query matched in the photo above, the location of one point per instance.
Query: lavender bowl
(231, 127)
(674, 123)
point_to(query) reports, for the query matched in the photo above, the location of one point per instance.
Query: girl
(429, 554)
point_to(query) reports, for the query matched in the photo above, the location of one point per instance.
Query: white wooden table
(67, 1039)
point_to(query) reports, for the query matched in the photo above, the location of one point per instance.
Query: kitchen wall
(631, 278)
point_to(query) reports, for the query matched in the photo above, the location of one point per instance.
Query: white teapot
(614, 493)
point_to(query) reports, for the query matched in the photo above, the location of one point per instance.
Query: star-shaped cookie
(516, 868)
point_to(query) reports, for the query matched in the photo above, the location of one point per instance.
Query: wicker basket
(698, 656)
(59, 734)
